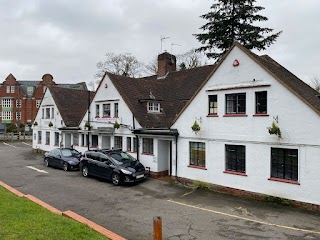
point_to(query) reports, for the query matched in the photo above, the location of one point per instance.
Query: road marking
(38, 170)
(27, 144)
(9, 145)
(244, 218)
(187, 193)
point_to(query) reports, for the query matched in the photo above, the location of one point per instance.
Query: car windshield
(75, 152)
(121, 157)
(66, 152)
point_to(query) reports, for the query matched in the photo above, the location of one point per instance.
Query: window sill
(212, 115)
(235, 173)
(235, 115)
(261, 115)
(106, 117)
(197, 167)
(150, 154)
(284, 180)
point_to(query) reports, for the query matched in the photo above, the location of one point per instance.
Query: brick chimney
(166, 63)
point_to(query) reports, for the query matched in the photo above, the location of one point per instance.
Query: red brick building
(20, 99)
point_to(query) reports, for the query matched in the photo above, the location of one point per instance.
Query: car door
(54, 157)
(105, 167)
(90, 163)
(94, 163)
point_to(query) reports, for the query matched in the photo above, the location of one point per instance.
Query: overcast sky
(68, 38)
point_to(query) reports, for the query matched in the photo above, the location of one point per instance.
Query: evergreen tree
(232, 20)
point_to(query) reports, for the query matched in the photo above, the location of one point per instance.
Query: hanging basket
(274, 129)
(195, 127)
(116, 125)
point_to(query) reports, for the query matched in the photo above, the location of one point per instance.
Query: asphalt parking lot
(129, 210)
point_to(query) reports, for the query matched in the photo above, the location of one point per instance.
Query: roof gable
(72, 104)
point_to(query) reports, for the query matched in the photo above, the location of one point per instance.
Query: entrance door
(106, 142)
(164, 155)
(67, 143)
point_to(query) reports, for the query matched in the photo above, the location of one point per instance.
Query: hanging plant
(195, 127)
(35, 123)
(50, 124)
(274, 129)
(116, 125)
(87, 124)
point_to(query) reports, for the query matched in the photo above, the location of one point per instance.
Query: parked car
(65, 158)
(115, 165)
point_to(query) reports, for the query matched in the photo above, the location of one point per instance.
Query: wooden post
(157, 228)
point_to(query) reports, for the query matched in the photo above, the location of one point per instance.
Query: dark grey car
(65, 158)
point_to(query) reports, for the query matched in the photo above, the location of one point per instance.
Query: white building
(57, 121)
(234, 103)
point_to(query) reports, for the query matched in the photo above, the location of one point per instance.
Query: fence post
(11, 136)
(157, 228)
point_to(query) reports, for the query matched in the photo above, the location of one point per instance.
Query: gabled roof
(173, 92)
(302, 90)
(71, 103)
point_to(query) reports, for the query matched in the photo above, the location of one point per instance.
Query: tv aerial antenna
(162, 38)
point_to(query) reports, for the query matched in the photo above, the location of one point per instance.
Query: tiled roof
(72, 104)
(173, 92)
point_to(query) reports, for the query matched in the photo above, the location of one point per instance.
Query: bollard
(157, 228)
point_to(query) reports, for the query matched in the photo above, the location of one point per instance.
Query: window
(116, 110)
(236, 158)
(18, 103)
(47, 113)
(117, 142)
(52, 112)
(47, 138)
(42, 113)
(106, 110)
(30, 90)
(83, 143)
(284, 163)
(56, 139)
(197, 154)
(153, 106)
(129, 144)
(39, 137)
(6, 115)
(7, 103)
(135, 144)
(8, 89)
(94, 141)
(76, 139)
(34, 137)
(261, 102)
(213, 105)
(147, 145)
(97, 110)
(236, 103)
(38, 102)
(18, 115)
(12, 89)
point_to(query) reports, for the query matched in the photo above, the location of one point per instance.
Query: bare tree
(121, 64)
(191, 59)
(315, 83)
(152, 67)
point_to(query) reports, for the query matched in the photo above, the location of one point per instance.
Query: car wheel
(65, 166)
(46, 163)
(115, 179)
(85, 171)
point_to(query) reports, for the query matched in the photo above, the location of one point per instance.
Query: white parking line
(38, 170)
(27, 144)
(9, 145)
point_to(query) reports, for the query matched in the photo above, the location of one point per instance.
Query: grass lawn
(25, 220)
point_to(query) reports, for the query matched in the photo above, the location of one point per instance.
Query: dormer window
(153, 106)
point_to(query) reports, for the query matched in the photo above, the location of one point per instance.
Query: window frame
(286, 152)
(129, 141)
(8, 89)
(213, 99)
(39, 137)
(47, 138)
(257, 102)
(106, 108)
(153, 107)
(239, 164)
(56, 139)
(117, 142)
(148, 146)
(97, 110)
(236, 103)
(116, 110)
(195, 158)
(12, 89)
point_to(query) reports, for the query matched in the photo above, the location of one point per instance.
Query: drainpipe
(176, 156)
(88, 120)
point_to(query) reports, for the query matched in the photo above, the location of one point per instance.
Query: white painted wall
(299, 124)
(163, 155)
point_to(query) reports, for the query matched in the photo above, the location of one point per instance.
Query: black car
(115, 165)
(64, 158)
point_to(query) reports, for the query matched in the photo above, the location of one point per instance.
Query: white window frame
(12, 89)
(6, 115)
(6, 102)
(18, 115)
(153, 106)
(38, 103)
(30, 90)
(8, 89)
(18, 103)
